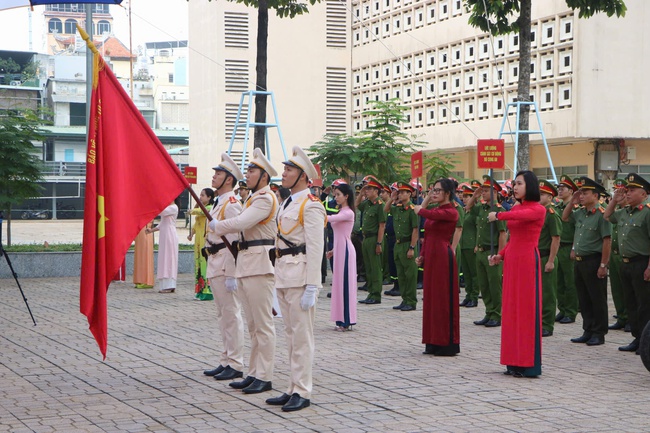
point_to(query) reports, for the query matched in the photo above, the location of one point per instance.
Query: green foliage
(501, 15)
(438, 164)
(382, 149)
(20, 165)
(283, 8)
(30, 71)
(9, 66)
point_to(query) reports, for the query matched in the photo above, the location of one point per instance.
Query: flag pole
(230, 247)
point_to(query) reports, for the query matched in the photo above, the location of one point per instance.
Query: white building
(587, 76)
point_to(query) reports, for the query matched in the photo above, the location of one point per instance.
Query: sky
(152, 20)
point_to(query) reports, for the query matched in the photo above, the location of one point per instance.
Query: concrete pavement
(374, 379)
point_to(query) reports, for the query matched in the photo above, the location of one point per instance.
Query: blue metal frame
(517, 131)
(249, 124)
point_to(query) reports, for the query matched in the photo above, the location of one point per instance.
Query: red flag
(130, 178)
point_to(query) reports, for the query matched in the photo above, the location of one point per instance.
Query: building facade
(587, 77)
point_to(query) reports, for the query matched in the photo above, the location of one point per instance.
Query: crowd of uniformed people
(279, 241)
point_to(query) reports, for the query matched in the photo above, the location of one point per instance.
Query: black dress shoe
(370, 301)
(229, 373)
(392, 292)
(482, 322)
(258, 386)
(214, 371)
(616, 326)
(279, 401)
(585, 337)
(546, 333)
(398, 307)
(385, 282)
(559, 317)
(471, 304)
(295, 403)
(429, 349)
(492, 323)
(628, 328)
(567, 319)
(408, 308)
(420, 286)
(464, 303)
(632, 347)
(242, 383)
(596, 340)
(329, 295)
(364, 288)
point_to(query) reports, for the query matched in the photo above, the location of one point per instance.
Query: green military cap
(405, 186)
(474, 184)
(547, 187)
(587, 183)
(566, 181)
(620, 183)
(386, 187)
(577, 181)
(358, 186)
(636, 181)
(242, 184)
(487, 180)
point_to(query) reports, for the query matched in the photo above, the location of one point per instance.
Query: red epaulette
(233, 199)
(601, 209)
(551, 210)
(312, 197)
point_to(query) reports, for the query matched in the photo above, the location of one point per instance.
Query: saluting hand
(619, 195)
(576, 197)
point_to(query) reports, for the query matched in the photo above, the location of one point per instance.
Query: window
(70, 27)
(103, 26)
(55, 26)
(171, 78)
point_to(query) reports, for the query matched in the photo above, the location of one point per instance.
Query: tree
(20, 166)
(500, 18)
(438, 164)
(283, 9)
(381, 149)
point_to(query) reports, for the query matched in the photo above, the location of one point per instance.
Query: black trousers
(592, 295)
(636, 293)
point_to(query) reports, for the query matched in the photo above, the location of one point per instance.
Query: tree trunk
(523, 86)
(262, 48)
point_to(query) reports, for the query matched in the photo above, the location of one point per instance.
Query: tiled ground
(374, 379)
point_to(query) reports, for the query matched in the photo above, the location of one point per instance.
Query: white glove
(213, 225)
(231, 284)
(308, 299)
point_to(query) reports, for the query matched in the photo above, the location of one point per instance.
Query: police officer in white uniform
(221, 273)
(299, 249)
(257, 227)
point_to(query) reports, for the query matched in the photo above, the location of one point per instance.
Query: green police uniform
(468, 259)
(567, 297)
(488, 278)
(552, 227)
(634, 248)
(615, 261)
(591, 229)
(373, 216)
(404, 221)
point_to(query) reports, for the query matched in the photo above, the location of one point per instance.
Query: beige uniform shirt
(223, 263)
(301, 269)
(256, 221)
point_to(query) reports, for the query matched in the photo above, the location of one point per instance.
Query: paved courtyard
(374, 379)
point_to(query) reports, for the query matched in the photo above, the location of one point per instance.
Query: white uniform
(220, 267)
(292, 274)
(255, 273)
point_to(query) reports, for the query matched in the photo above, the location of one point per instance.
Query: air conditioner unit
(15, 83)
